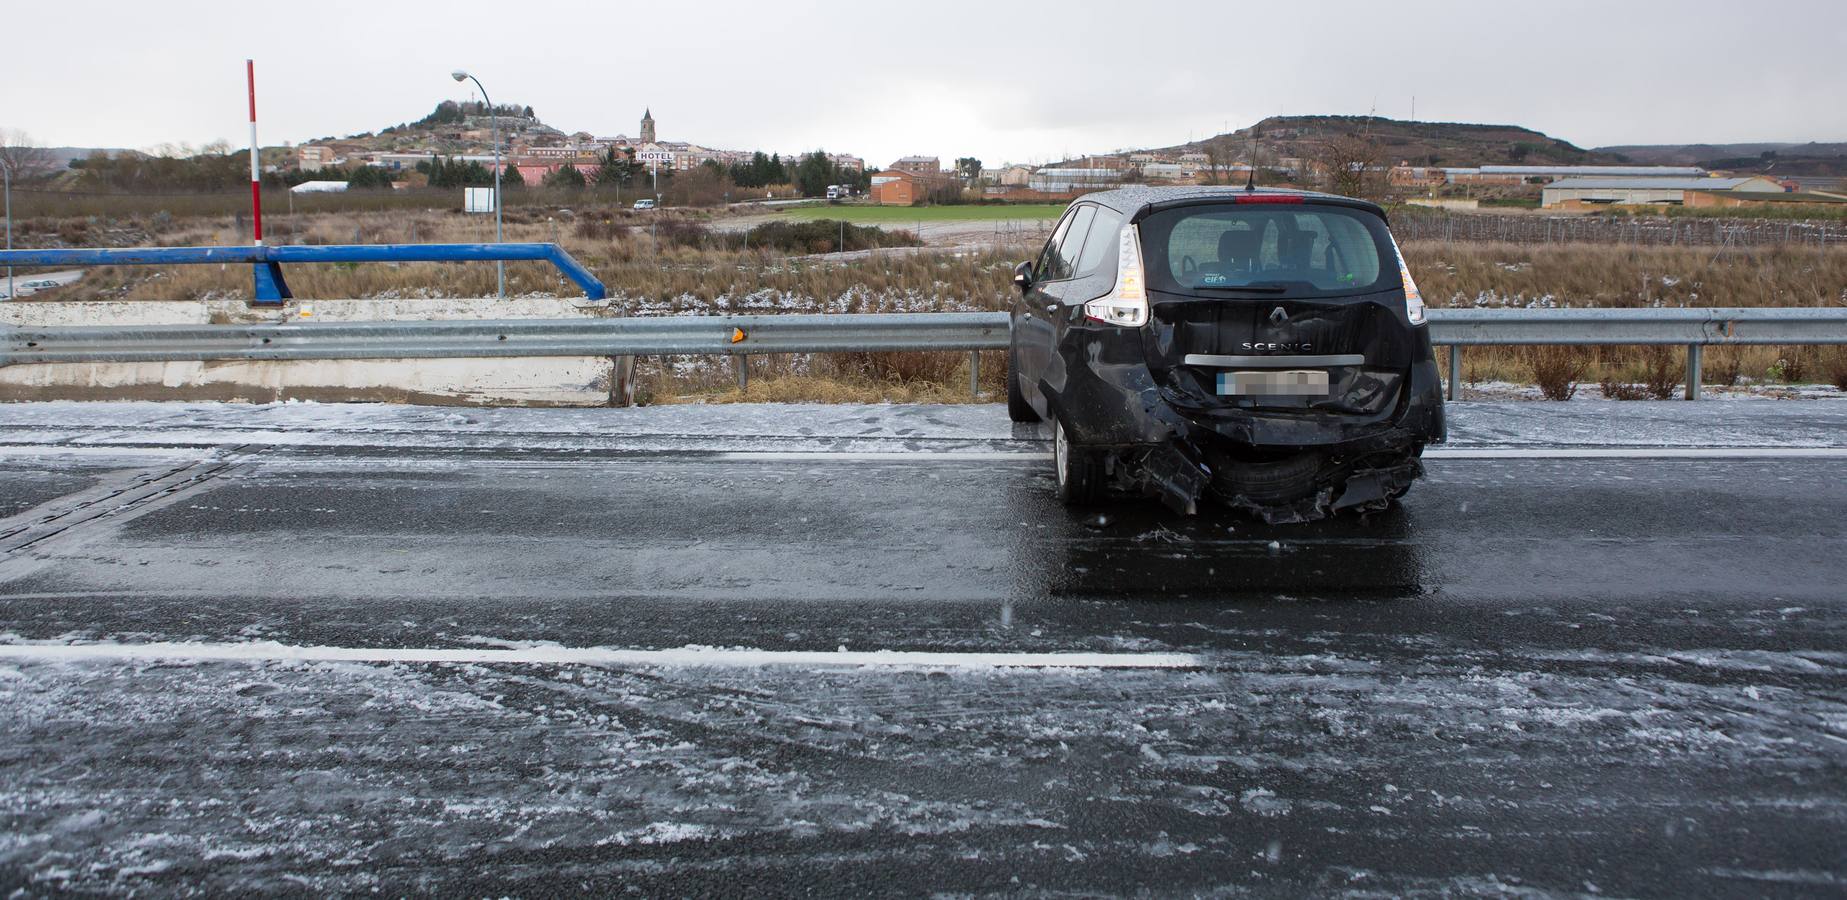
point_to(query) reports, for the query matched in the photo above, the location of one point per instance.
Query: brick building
(892, 188)
(918, 165)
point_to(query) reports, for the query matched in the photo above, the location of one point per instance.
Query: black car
(1261, 347)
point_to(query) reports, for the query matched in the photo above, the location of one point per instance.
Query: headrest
(1237, 245)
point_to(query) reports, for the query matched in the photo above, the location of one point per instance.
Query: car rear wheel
(1079, 469)
(1276, 481)
(1017, 408)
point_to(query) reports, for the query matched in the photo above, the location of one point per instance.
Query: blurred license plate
(1312, 383)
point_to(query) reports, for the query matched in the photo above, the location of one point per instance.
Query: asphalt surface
(1544, 674)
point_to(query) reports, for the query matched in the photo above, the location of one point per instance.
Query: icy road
(861, 650)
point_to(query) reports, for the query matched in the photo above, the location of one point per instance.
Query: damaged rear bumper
(1182, 457)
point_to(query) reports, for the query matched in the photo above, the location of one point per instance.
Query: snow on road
(799, 427)
(675, 650)
(1292, 771)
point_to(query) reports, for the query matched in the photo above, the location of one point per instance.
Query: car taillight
(1127, 303)
(1413, 298)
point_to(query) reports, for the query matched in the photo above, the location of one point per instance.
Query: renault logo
(1278, 316)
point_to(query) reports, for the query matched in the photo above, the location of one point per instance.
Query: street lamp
(494, 117)
(6, 173)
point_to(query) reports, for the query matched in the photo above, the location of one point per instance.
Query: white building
(318, 187)
(1008, 176)
(1603, 190)
(1060, 181)
(1553, 173)
(311, 158)
(1160, 171)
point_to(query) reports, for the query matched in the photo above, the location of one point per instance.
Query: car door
(1041, 304)
(1029, 324)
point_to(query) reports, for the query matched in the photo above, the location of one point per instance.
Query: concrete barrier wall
(562, 381)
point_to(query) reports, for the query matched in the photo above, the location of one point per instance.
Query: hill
(1420, 143)
(62, 156)
(1812, 158)
(451, 127)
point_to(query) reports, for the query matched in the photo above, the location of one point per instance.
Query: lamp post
(494, 117)
(6, 172)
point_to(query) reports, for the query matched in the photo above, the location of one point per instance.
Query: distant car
(1263, 348)
(644, 204)
(40, 284)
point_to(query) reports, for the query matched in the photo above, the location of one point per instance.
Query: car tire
(1017, 408)
(1078, 468)
(1279, 481)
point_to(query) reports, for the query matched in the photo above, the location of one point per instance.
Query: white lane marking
(1433, 453)
(1636, 453)
(882, 455)
(1034, 455)
(49, 450)
(690, 656)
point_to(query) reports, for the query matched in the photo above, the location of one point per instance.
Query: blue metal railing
(272, 288)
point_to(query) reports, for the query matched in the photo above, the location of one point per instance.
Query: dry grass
(1557, 370)
(810, 389)
(1792, 367)
(819, 378)
(1496, 275)
(1724, 366)
(1835, 365)
(1650, 373)
(649, 274)
(1614, 389)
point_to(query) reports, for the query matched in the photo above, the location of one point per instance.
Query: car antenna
(1250, 182)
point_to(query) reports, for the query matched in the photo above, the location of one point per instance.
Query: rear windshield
(1310, 250)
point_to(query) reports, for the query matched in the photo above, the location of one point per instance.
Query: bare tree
(1219, 151)
(24, 158)
(1348, 164)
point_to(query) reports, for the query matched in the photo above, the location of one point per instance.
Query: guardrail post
(622, 381)
(1694, 351)
(742, 364)
(1455, 370)
(271, 287)
(974, 374)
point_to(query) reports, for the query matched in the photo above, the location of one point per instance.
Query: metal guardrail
(1693, 328)
(742, 336)
(266, 261)
(1717, 325)
(655, 336)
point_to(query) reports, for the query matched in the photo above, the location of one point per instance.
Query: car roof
(1137, 199)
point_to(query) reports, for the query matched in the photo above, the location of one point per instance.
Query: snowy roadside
(816, 427)
(1501, 391)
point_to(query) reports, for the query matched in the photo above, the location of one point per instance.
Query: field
(900, 216)
(668, 264)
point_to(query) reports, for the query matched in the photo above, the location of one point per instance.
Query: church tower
(647, 126)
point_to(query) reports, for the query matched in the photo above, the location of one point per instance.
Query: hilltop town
(464, 132)
(1449, 164)
(1452, 165)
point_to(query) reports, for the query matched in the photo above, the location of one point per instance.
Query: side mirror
(1023, 276)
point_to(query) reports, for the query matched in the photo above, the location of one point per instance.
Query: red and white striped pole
(256, 171)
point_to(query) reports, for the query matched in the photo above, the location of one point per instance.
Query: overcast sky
(999, 80)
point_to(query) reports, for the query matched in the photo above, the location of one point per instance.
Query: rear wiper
(1244, 288)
